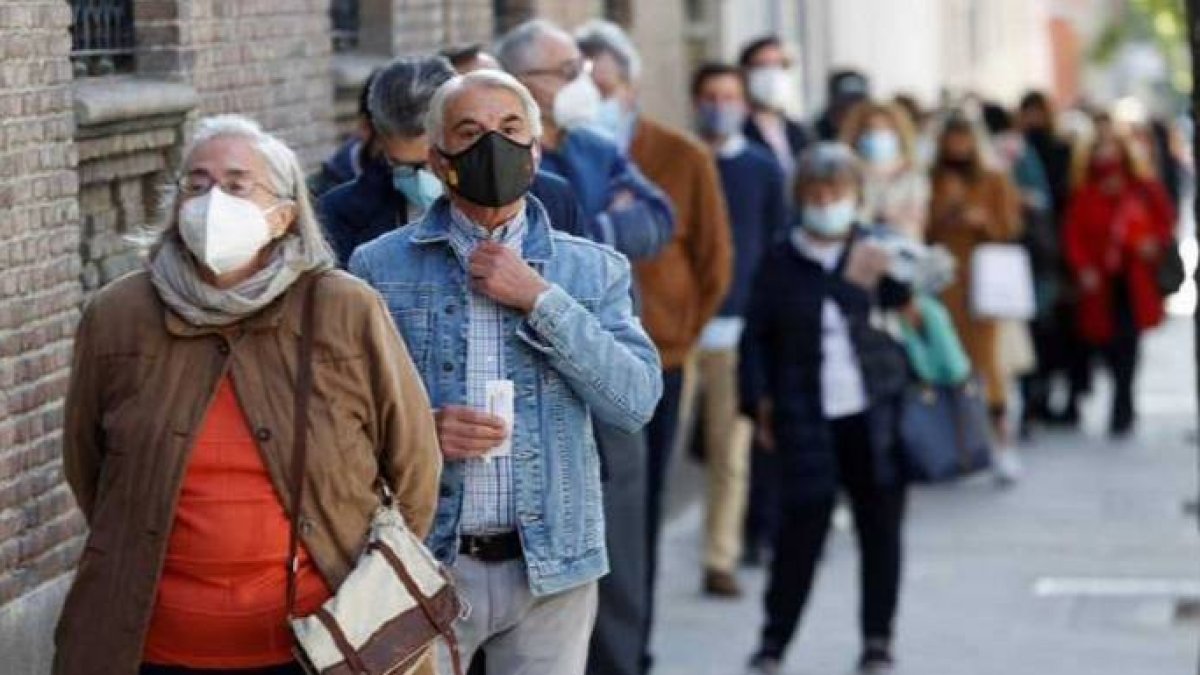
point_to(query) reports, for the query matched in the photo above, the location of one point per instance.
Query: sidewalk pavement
(1076, 571)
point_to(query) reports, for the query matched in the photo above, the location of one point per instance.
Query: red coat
(1105, 234)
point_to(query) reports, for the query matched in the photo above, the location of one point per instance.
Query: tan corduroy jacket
(684, 286)
(141, 383)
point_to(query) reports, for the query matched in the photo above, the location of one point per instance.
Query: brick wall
(39, 299)
(269, 59)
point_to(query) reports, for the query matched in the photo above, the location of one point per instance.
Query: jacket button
(448, 367)
(263, 434)
(445, 493)
(306, 526)
(223, 348)
(450, 309)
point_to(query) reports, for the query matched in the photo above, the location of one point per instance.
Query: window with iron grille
(101, 37)
(344, 15)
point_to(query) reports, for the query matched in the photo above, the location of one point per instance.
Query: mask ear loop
(283, 201)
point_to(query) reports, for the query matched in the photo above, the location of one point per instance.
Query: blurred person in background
(1060, 354)
(1040, 237)
(684, 285)
(621, 207)
(845, 89)
(825, 387)
(469, 58)
(396, 185)
(346, 163)
(625, 210)
(767, 68)
(758, 217)
(1118, 226)
(973, 205)
(179, 427)
(896, 189)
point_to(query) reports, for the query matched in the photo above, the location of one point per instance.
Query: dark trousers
(289, 669)
(878, 515)
(660, 436)
(618, 638)
(1121, 358)
(763, 510)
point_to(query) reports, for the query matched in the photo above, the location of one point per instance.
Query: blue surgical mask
(879, 147)
(719, 121)
(614, 120)
(419, 186)
(830, 221)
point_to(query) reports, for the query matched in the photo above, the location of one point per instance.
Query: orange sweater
(220, 602)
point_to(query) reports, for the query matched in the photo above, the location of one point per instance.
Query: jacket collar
(434, 228)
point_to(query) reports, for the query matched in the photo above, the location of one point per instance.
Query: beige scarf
(174, 275)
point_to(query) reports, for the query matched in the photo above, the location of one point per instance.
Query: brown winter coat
(684, 285)
(995, 195)
(141, 383)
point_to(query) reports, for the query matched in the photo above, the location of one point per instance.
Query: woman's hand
(1089, 280)
(466, 433)
(764, 431)
(1149, 250)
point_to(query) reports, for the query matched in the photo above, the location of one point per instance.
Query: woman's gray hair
(515, 49)
(828, 162)
(285, 178)
(435, 120)
(400, 93)
(605, 37)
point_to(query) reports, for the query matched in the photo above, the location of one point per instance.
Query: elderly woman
(896, 191)
(179, 427)
(825, 386)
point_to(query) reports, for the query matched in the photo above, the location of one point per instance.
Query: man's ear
(441, 167)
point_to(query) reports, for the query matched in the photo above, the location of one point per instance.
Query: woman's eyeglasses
(243, 186)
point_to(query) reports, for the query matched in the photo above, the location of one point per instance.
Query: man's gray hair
(827, 162)
(488, 79)
(598, 37)
(400, 93)
(516, 49)
(285, 178)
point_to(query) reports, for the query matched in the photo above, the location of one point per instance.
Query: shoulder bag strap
(304, 381)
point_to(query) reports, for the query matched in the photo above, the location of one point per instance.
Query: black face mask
(495, 171)
(964, 166)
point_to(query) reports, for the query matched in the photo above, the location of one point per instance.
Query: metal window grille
(101, 37)
(344, 15)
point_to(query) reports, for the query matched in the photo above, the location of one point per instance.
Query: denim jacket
(580, 353)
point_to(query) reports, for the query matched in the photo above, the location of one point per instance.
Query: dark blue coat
(781, 360)
(369, 206)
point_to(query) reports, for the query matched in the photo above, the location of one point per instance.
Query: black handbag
(945, 432)
(1171, 272)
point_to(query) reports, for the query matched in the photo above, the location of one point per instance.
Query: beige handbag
(396, 602)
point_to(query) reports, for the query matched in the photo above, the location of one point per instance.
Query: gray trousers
(518, 633)
(617, 643)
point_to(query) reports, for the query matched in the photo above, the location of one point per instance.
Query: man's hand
(499, 273)
(623, 199)
(465, 433)
(764, 428)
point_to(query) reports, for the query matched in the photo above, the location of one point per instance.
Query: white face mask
(222, 231)
(578, 103)
(770, 86)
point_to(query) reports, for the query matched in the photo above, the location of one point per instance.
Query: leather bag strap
(304, 383)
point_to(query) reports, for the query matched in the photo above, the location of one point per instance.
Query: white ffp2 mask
(578, 103)
(223, 232)
(770, 86)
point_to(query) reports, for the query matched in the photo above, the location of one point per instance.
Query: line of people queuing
(513, 218)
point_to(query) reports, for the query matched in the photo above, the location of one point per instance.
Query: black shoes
(876, 659)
